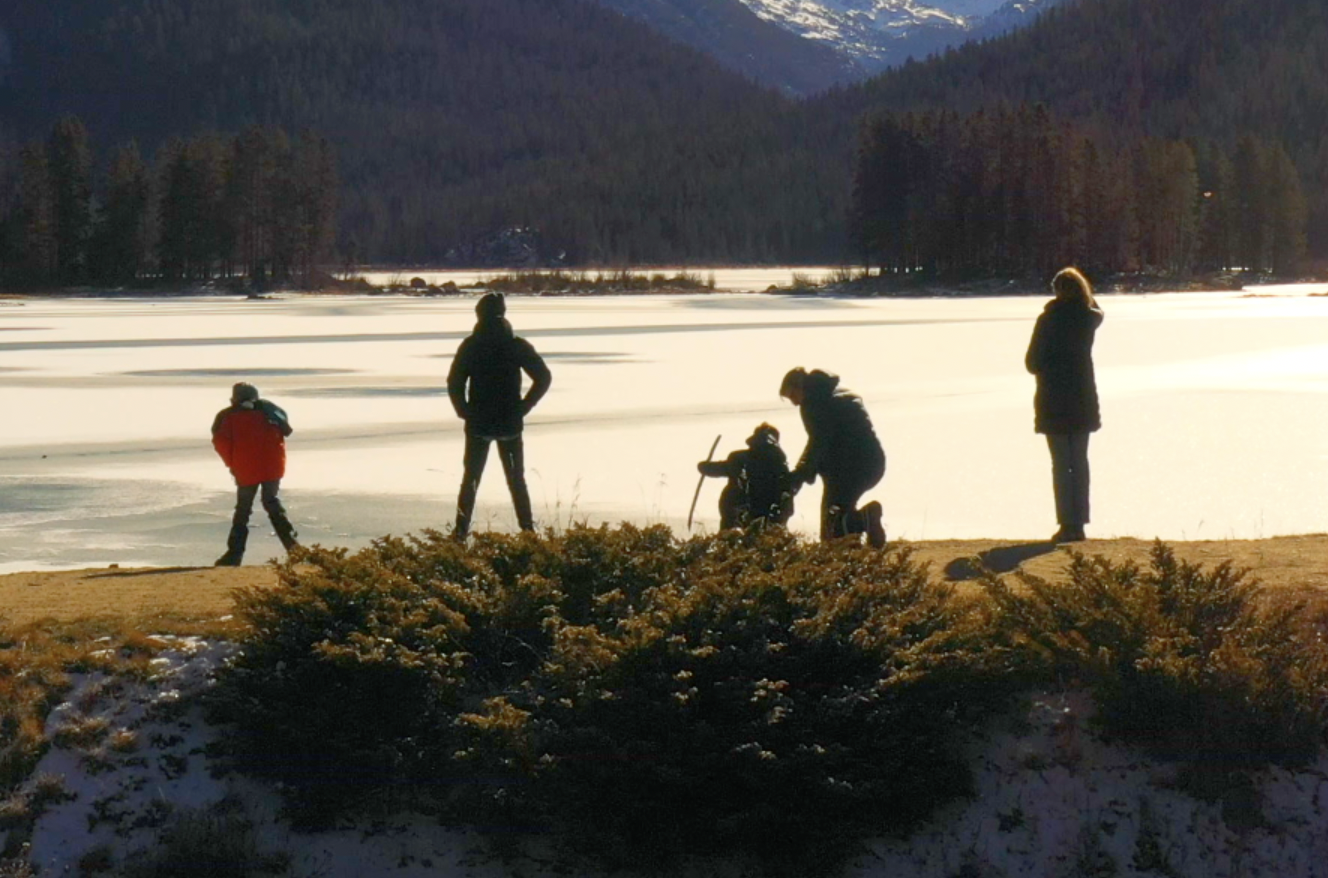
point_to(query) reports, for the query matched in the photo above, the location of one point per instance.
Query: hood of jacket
(820, 385)
(494, 327)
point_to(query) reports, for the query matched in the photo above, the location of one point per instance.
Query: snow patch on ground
(1052, 799)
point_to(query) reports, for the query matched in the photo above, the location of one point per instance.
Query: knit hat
(244, 392)
(490, 305)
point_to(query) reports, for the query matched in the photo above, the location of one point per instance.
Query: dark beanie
(491, 305)
(244, 392)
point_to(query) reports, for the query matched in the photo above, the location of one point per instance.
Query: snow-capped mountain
(880, 33)
(762, 50)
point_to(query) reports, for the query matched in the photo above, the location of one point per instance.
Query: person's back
(1060, 354)
(760, 486)
(841, 438)
(767, 482)
(1066, 408)
(485, 379)
(842, 449)
(484, 386)
(250, 437)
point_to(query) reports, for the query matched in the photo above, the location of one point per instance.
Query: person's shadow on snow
(1002, 559)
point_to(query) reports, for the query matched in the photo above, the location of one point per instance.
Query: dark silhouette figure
(842, 449)
(1060, 354)
(760, 487)
(250, 436)
(484, 385)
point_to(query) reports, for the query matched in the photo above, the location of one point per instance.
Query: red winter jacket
(252, 442)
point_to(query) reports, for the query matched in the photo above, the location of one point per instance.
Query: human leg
(277, 514)
(1079, 465)
(477, 454)
(840, 515)
(239, 535)
(1069, 481)
(513, 456)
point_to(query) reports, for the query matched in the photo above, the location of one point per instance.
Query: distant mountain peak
(882, 33)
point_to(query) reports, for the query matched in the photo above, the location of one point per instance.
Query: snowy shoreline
(1051, 799)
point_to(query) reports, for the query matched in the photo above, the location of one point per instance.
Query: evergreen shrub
(1183, 660)
(642, 695)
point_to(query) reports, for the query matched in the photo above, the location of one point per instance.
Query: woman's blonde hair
(1070, 283)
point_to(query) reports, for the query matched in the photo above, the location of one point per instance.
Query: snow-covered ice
(1215, 410)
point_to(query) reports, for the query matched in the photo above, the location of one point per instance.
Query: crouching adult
(250, 436)
(842, 449)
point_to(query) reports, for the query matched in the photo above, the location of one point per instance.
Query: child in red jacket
(250, 436)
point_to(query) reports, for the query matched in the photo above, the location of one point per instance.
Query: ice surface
(1215, 410)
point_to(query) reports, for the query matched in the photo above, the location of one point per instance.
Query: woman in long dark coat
(1066, 406)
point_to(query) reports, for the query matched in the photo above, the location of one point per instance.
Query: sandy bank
(1293, 567)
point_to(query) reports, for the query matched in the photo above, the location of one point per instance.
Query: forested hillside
(449, 120)
(452, 121)
(1196, 70)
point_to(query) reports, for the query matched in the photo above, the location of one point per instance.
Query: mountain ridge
(879, 34)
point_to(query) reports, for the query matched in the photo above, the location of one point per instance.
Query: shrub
(1184, 661)
(218, 842)
(645, 695)
(588, 283)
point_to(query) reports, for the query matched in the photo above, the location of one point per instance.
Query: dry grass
(179, 599)
(139, 596)
(1292, 569)
(37, 660)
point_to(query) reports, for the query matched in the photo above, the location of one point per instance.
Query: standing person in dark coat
(250, 437)
(842, 449)
(760, 487)
(484, 385)
(1066, 406)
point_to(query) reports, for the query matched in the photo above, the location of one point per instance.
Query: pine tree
(1289, 212)
(124, 230)
(69, 157)
(36, 238)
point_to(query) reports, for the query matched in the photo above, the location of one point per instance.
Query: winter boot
(235, 544)
(285, 532)
(875, 531)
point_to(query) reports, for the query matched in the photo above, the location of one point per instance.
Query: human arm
(805, 472)
(809, 463)
(1033, 360)
(457, 377)
(720, 469)
(540, 377)
(223, 438)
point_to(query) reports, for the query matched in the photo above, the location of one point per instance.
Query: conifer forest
(1162, 136)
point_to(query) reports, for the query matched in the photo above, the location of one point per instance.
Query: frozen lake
(1215, 411)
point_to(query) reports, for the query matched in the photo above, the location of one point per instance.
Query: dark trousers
(840, 515)
(512, 453)
(244, 505)
(1069, 477)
